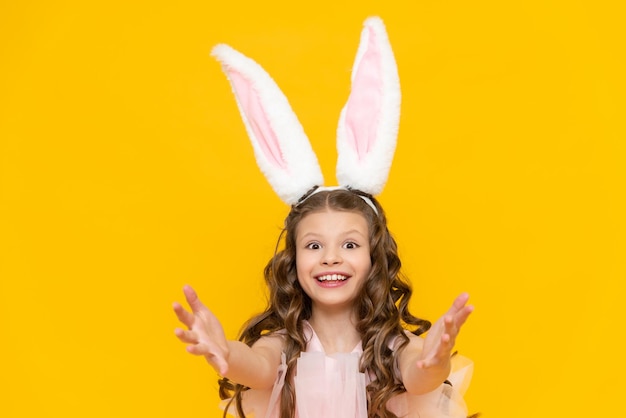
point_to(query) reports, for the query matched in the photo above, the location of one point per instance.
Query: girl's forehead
(329, 220)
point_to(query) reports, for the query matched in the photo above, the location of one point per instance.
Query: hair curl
(381, 307)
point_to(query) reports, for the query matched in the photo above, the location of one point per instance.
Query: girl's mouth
(332, 278)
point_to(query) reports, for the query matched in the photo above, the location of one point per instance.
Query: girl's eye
(313, 246)
(350, 245)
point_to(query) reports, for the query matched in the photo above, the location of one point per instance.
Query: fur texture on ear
(281, 147)
(368, 125)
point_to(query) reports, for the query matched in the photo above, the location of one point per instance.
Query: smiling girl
(338, 312)
(336, 339)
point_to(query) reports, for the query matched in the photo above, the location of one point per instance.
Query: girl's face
(332, 257)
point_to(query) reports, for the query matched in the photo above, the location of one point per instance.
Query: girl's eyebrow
(309, 235)
(354, 231)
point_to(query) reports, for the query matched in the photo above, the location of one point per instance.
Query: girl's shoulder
(272, 338)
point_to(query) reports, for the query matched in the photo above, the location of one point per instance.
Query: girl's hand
(440, 339)
(205, 335)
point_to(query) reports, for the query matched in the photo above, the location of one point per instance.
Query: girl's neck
(335, 330)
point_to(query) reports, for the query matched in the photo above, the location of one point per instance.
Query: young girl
(338, 310)
(337, 338)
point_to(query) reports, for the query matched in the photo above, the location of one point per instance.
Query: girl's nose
(331, 257)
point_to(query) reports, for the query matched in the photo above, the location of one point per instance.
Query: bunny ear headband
(367, 131)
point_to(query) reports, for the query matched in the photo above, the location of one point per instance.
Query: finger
(425, 363)
(433, 361)
(440, 354)
(462, 315)
(460, 302)
(450, 324)
(188, 337)
(452, 327)
(183, 316)
(217, 362)
(192, 299)
(198, 350)
(446, 343)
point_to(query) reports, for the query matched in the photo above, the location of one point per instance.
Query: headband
(331, 188)
(368, 123)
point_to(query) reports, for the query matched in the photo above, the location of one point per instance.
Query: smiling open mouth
(332, 278)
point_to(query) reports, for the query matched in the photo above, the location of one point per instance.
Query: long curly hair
(381, 308)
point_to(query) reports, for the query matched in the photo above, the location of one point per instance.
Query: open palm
(440, 339)
(205, 335)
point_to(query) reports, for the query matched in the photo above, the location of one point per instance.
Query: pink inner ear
(257, 119)
(364, 104)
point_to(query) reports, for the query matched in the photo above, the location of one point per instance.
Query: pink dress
(331, 386)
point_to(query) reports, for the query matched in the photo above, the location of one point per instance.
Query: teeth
(332, 277)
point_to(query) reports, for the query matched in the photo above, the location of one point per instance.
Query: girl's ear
(281, 147)
(368, 125)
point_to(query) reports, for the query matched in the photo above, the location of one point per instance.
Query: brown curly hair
(381, 307)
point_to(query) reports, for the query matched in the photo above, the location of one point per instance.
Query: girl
(337, 338)
(334, 340)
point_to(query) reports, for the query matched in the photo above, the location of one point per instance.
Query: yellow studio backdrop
(125, 172)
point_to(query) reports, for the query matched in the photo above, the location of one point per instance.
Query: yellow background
(126, 173)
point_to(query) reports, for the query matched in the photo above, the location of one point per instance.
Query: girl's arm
(254, 366)
(425, 363)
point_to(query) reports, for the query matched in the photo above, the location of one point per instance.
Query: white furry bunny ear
(281, 147)
(368, 125)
